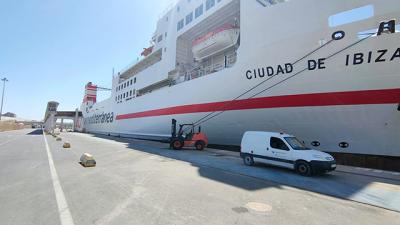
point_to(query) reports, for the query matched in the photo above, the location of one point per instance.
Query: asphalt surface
(137, 182)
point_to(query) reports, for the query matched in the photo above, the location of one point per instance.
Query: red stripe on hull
(387, 96)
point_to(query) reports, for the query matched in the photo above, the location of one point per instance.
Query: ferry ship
(325, 71)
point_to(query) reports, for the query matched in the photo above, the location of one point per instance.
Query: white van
(284, 150)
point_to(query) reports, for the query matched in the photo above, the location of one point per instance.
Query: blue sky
(49, 49)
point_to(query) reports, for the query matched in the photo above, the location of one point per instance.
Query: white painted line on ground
(63, 210)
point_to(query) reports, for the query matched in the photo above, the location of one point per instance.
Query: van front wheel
(248, 160)
(303, 168)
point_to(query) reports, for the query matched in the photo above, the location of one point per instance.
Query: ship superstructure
(325, 71)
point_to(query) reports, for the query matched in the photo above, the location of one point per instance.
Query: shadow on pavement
(230, 170)
(198, 159)
(36, 132)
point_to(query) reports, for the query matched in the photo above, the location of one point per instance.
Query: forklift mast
(174, 134)
(173, 128)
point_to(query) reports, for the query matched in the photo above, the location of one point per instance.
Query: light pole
(2, 96)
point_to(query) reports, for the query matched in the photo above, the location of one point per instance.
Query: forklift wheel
(200, 145)
(177, 145)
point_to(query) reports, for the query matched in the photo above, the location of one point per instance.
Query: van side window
(278, 143)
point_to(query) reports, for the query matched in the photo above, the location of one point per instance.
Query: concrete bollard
(87, 160)
(66, 145)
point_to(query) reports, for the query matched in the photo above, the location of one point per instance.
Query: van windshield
(296, 144)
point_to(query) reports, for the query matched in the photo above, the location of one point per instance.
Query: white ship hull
(344, 107)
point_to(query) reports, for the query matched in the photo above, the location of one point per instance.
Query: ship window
(180, 24)
(210, 4)
(130, 93)
(351, 16)
(124, 95)
(189, 18)
(134, 80)
(199, 11)
(159, 39)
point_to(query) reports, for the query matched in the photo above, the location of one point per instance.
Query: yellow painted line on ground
(63, 210)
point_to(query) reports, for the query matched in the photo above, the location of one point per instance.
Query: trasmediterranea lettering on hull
(100, 118)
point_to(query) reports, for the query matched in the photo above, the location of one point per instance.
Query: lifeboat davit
(215, 41)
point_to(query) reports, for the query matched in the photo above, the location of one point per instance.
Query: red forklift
(180, 140)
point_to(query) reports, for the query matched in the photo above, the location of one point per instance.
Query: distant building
(9, 114)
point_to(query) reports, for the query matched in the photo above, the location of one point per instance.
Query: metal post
(62, 124)
(2, 96)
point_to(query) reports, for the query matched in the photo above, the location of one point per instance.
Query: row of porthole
(341, 144)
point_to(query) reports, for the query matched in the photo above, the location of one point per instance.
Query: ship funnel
(90, 93)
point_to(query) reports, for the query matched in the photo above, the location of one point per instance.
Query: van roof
(276, 134)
